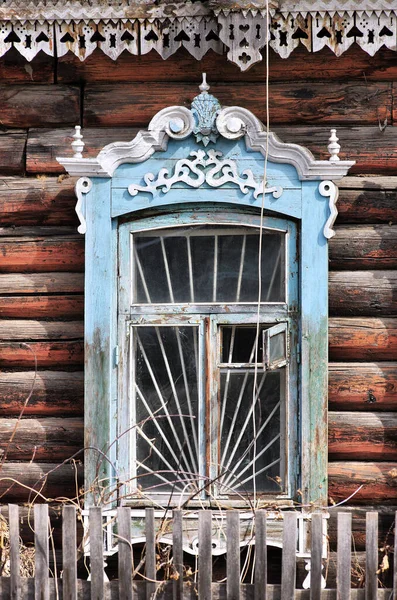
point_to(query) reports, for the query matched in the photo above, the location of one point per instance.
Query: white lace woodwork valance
(242, 35)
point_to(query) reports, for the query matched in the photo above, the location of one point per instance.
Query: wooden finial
(78, 144)
(204, 87)
(333, 147)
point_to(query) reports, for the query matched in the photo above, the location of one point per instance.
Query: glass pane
(205, 264)
(277, 347)
(166, 398)
(238, 344)
(251, 442)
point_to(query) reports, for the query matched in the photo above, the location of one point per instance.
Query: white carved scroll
(330, 190)
(83, 186)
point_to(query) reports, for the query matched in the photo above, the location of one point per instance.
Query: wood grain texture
(48, 479)
(362, 339)
(42, 307)
(39, 105)
(358, 516)
(362, 436)
(44, 145)
(343, 576)
(362, 386)
(14, 68)
(364, 247)
(27, 330)
(181, 66)
(69, 553)
(363, 293)
(20, 355)
(367, 205)
(12, 152)
(352, 103)
(56, 393)
(62, 253)
(37, 201)
(41, 283)
(379, 481)
(45, 440)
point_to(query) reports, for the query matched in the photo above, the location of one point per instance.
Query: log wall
(41, 269)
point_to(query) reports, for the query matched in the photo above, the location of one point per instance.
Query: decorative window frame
(300, 189)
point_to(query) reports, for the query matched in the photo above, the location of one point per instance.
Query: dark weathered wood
(44, 145)
(15, 231)
(41, 283)
(260, 556)
(181, 66)
(362, 339)
(38, 481)
(150, 564)
(369, 204)
(395, 561)
(378, 481)
(293, 102)
(37, 201)
(42, 307)
(364, 387)
(205, 555)
(233, 555)
(288, 572)
(358, 517)
(14, 68)
(364, 247)
(15, 576)
(46, 439)
(371, 580)
(12, 152)
(366, 293)
(32, 255)
(177, 553)
(42, 591)
(343, 577)
(316, 556)
(40, 330)
(69, 553)
(21, 355)
(96, 553)
(39, 105)
(362, 436)
(56, 393)
(125, 553)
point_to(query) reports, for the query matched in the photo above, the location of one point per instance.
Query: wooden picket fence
(69, 587)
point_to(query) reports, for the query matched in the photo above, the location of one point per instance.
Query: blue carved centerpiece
(205, 109)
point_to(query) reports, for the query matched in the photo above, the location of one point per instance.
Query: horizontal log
(55, 393)
(377, 157)
(42, 307)
(362, 435)
(23, 482)
(181, 66)
(41, 283)
(27, 330)
(39, 105)
(12, 153)
(364, 247)
(364, 339)
(36, 231)
(14, 68)
(363, 293)
(37, 201)
(378, 481)
(370, 182)
(362, 386)
(44, 439)
(367, 205)
(60, 253)
(350, 103)
(44, 145)
(55, 355)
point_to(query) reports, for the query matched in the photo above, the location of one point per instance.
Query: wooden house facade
(110, 68)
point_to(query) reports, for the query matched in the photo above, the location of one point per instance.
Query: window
(211, 380)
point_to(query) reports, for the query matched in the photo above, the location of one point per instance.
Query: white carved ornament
(330, 190)
(192, 173)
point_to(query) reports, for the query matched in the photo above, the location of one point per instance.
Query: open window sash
(275, 347)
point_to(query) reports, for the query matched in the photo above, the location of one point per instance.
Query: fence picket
(177, 543)
(15, 577)
(316, 556)
(150, 554)
(41, 580)
(96, 553)
(69, 553)
(233, 555)
(344, 559)
(125, 553)
(288, 565)
(371, 559)
(205, 555)
(260, 556)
